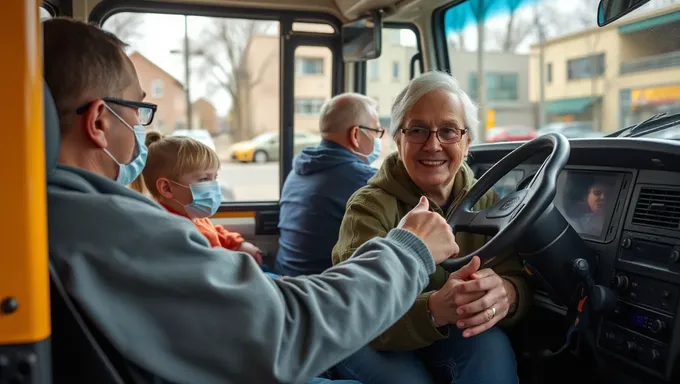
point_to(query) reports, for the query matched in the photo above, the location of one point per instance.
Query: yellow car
(265, 147)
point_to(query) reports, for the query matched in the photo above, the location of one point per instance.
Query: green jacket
(378, 207)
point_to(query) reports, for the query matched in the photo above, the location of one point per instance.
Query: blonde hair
(172, 157)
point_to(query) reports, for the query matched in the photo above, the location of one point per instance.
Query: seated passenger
(449, 332)
(323, 178)
(171, 305)
(181, 175)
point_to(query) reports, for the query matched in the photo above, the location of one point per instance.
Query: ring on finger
(492, 314)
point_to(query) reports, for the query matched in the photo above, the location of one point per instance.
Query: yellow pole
(24, 284)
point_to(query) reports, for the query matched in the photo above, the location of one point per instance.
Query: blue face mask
(373, 156)
(206, 199)
(127, 173)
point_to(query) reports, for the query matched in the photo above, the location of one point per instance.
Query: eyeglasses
(145, 111)
(418, 135)
(380, 131)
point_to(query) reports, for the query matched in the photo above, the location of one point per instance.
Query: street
(256, 182)
(251, 182)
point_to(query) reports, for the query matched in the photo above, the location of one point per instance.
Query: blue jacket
(312, 206)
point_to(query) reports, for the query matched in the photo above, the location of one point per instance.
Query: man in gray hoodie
(169, 303)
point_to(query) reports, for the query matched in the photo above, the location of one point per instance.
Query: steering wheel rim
(508, 217)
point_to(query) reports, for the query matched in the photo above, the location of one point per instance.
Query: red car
(510, 133)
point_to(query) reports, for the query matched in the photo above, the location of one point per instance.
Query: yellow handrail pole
(24, 276)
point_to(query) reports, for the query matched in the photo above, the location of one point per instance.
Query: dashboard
(622, 196)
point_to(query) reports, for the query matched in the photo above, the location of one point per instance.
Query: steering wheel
(508, 218)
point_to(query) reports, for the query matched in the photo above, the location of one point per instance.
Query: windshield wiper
(640, 128)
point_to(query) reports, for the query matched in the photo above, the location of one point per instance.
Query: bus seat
(77, 356)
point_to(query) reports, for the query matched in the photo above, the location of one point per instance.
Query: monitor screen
(587, 200)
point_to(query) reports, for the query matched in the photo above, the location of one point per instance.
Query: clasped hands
(472, 299)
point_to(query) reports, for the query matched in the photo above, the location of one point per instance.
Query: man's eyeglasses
(145, 111)
(418, 135)
(379, 131)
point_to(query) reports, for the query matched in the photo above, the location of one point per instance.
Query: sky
(159, 34)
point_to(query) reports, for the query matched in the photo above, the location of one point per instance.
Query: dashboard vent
(658, 208)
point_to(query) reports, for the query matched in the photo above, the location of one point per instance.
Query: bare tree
(223, 47)
(515, 32)
(125, 26)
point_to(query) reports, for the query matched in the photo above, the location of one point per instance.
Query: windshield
(548, 66)
(262, 138)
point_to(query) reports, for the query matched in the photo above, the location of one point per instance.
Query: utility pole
(187, 75)
(541, 68)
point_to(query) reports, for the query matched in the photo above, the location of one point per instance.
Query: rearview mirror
(362, 39)
(611, 10)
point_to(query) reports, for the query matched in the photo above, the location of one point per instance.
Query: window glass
(312, 90)
(388, 75)
(233, 88)
(536, 62)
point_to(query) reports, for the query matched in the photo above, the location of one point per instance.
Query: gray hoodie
(190, 313)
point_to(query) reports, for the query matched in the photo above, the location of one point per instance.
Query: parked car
(204, 137)
(201, 135)
(510, 133)
(265, 147)
(571, 129)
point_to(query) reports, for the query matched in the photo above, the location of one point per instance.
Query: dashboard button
(657, 325)
(626, 242)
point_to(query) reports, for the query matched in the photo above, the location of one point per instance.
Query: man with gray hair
(323, 178)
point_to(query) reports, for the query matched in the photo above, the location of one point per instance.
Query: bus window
(387, 75)
(546, 66)
(216, 80)
(313, 82)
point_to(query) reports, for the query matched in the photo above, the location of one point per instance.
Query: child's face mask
(206, 198)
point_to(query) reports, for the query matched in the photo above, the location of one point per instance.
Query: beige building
(614, 76)
(313, 73)
(161, 89)
(168, 93)
(386, 77)
(204, 116)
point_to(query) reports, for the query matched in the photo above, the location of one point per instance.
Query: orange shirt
(216, 234)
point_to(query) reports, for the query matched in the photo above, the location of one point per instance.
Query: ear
(354, 136)
(466, 146)
(163, 188)
(398, 141)
(96, 126)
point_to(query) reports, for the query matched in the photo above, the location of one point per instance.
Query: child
(180, 174)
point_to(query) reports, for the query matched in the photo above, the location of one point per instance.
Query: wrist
(511, 289)
(433, 319)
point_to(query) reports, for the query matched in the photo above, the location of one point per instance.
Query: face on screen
(596, 199)
(586, 198)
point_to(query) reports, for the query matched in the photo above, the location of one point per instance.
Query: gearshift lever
(582, 269)
(600, 298)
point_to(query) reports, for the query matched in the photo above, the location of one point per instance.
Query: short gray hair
(343, 111)
(421, 86)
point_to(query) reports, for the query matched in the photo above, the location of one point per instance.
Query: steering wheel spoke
(492, 220)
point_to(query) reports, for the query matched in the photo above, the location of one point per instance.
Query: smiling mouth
(432, 163)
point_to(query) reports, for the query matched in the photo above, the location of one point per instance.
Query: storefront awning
(569, 106)
(652, 22)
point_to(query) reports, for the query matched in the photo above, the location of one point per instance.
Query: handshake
(432, 229)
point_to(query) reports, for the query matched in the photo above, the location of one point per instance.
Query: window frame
(103, 10)
(362, 67)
